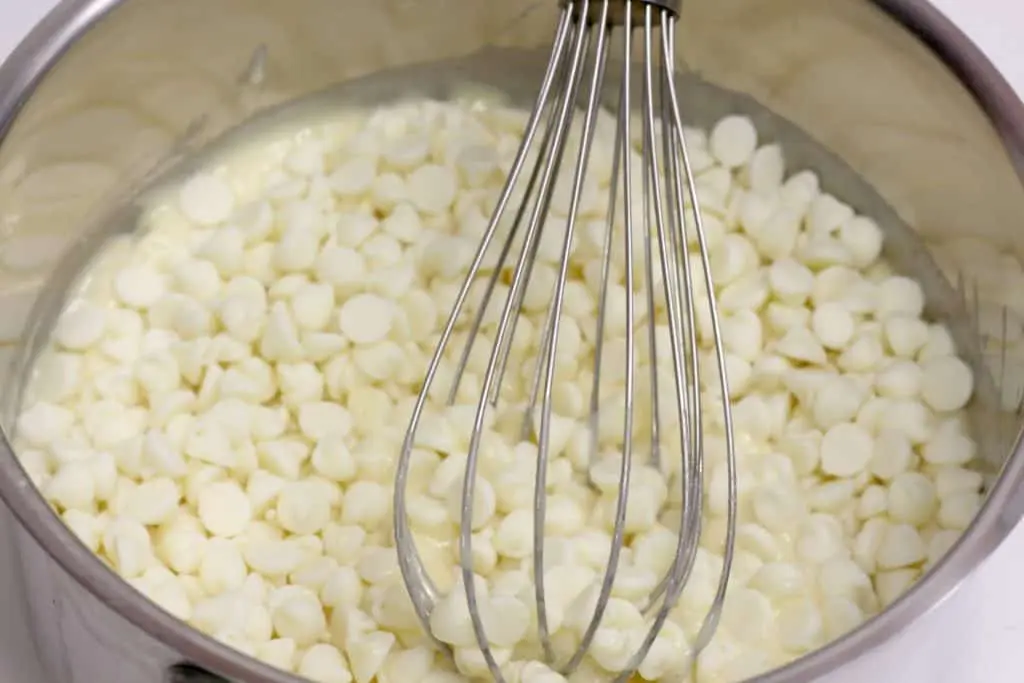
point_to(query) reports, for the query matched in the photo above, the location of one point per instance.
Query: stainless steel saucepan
(103, 94)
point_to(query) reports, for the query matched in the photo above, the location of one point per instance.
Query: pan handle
(190, 673)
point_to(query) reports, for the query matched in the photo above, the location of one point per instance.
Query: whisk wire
(546, 359)
(492, 282)
(510, 311)
(510, 240)
(669, 244)
(422, 592)
(682, 155)
(578, 65)
(625, 471)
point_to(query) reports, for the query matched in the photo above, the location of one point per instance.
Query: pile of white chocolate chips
(221, 409)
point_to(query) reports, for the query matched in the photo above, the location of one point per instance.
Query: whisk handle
(617, 10)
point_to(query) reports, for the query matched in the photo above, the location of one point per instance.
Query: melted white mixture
(221, 408)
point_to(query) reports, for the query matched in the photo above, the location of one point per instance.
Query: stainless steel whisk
(572, 85)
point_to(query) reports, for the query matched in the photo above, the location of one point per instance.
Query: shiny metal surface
(617, 11)
(102, 91)
(574, 81)
(186, 673)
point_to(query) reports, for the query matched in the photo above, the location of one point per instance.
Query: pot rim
(43, 48)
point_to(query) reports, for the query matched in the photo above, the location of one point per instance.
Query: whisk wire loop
(668, 225)
(682, 156)
(422, 591)
(551, 342)
(619, 520)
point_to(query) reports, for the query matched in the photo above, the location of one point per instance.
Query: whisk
(572, 86)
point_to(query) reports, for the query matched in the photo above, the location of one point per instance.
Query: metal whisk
(572, 86)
